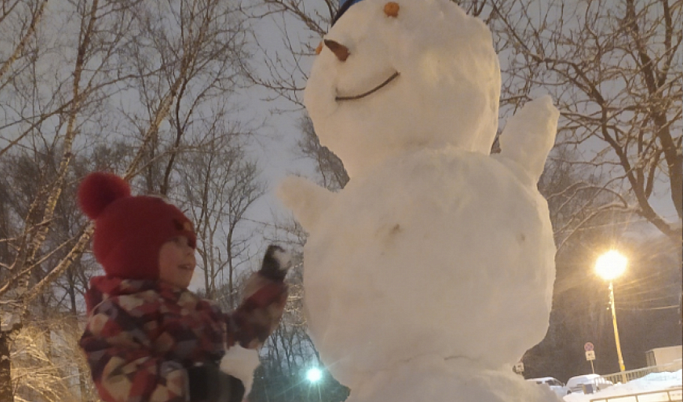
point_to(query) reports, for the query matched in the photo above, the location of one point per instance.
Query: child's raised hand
(266, 287)
(276, 263)
(265, 296)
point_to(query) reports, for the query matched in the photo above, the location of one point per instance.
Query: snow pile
(665, 379)
(430, 273)
(649, 383)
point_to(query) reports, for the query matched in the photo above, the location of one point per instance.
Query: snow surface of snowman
(430, 274)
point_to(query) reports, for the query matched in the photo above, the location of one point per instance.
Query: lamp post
(314, 375)
(610, 266)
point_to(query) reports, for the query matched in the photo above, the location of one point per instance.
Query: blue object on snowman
(343, 6)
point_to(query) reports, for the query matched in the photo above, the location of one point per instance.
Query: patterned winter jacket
(141, 335)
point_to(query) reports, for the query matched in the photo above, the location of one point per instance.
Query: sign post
(590, 354)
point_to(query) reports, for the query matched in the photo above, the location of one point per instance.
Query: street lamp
(610, 266)
(314, 375)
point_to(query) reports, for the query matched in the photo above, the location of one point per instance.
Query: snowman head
(402, 75)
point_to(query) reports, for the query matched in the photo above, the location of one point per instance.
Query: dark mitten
(209, 384)
(276, 263)
(264, 299)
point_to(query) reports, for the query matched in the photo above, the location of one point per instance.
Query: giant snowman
(430, 274)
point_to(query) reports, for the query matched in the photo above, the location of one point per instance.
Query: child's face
(176, 262)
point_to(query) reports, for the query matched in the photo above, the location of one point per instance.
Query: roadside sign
(590, 355)
(588, 347)
(519, 367)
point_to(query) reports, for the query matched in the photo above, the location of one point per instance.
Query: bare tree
(301, 24)
(73, 76)
(44, 365)
(214, 180)
(614, 69)
(211, 38)
(220, 184)
(36, 116)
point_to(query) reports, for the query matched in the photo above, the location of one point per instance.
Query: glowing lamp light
(314, 375)
(611, 265)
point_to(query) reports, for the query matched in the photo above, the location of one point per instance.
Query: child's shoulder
(132, 296)
(145, 297)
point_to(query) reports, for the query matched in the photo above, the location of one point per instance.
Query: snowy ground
(651, 382)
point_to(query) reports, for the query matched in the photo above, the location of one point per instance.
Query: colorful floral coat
(141, 335)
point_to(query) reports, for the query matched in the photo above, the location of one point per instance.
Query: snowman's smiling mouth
(373, 90)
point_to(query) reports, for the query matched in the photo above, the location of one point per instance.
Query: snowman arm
(529, 135)
(305, 199)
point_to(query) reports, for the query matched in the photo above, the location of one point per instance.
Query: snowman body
(431, 272)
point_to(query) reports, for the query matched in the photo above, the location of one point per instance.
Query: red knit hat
(129, 231)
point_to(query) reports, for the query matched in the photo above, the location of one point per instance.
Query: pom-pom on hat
(129, 231)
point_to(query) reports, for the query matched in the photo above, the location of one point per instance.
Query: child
(148, 338)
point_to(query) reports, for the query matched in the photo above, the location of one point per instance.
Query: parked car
(555, 385)
(589, 382)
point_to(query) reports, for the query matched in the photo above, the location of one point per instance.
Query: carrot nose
(339, 50)
(391, 9)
